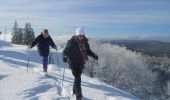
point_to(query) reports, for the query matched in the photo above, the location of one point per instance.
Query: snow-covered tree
(161, 67)
(28, 34)
(22, 36)
(90, 69)
(123, 69)
(19, 36)
(15, 28)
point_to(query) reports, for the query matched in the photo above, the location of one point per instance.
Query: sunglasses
(80, 35)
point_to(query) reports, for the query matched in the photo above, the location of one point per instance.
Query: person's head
(80, 34)
(45, 33)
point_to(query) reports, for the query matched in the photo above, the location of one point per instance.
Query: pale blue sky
(101, 18)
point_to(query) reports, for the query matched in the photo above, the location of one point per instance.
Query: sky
(137, 19)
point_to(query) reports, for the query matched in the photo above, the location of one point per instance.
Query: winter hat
(80, 31)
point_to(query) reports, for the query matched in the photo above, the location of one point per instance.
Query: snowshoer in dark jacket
(76, 53)
(43, 42)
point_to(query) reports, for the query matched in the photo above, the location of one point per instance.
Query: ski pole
(28, 64)
(62, 87)
(27, 59)
(57, 59)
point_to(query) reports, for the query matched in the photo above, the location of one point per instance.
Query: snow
(18, 84)
(3, 43)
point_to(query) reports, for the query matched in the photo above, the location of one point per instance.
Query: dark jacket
(43, 45)
(73, 52)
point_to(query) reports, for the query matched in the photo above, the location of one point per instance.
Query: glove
(96, 57)
(64, 59)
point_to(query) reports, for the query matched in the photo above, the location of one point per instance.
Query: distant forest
(151, 48)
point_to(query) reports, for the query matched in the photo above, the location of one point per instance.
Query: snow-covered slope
(4, 43)
(18, 84)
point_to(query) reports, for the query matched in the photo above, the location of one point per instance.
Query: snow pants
(77, 81)
(45, 63)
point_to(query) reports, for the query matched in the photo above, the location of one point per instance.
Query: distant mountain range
(152, 48)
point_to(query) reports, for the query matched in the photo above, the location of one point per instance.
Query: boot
(74, 90)
(45, 72)
(79, 97)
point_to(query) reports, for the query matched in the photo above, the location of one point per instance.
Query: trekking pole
(62, 87)
(28, 64)
(57, 59)
(100, 80)
(28, 59)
